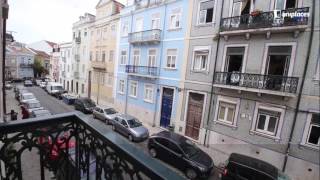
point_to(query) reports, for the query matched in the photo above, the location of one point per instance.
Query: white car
(43, 85)
(27, 97)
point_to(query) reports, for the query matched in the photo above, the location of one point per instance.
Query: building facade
(19, 61)
(103, 46)
(150, 60)
(65, 64)
(244, 72)
(80, 52)
(44, 60)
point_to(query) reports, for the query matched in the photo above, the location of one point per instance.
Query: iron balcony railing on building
(257, 81)
(77, 57)
(147, 3)
(277, 18)
(76, 75)
(78, 40)
(26, 65)
(98, 64)
(149, 36)
(72, 148)
(142, 70)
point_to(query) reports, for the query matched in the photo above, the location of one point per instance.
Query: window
(175, 19)
(200, 61)
(110, 77)
(83, 68)
(136, 57)
(97, 56)
(227, 111)
(284, 4)
(103, 56)
(133, 89)
(125, 29)
(139, 24)
(148, 93)
(82, 88)
(206, 9)
(90, 58)
(311, 135)
(171, 58)
(101, 76)
(123, 57)
(111, 55)
(113, 28)
(268, 121)
(152, 58)
(105, 33)
(155, 22)
(121, 86)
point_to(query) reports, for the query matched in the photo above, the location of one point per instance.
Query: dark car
(84, 105)
(239, 166)
(181, 153)
(28, 83)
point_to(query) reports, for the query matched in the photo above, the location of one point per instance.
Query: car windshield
(110, 111)
(42, 113)
(57, 88)
(28, 96)
(34, 105)
(134, 123)
(88, 103)
(189, 147)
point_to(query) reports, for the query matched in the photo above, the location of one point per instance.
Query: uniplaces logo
(279, 14)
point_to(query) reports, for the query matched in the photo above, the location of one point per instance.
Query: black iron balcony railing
(142, 70)
(149, 36)
(77, 57)
(76, 75)
(266, 19)
(72, 148)
(26, 65)
(78, 40)
(257, 81)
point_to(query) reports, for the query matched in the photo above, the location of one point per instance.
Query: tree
(38, 69)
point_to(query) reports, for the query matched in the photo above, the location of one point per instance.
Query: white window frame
(150, 88)
(155, 57)
(121, 86)
(136, 56)
(111, 55)
(236, 102)
(197, 49)
(245, 56)
(136, 29)
(177, 18)
(176, 58)
(252, 2)
(125, 26)
(156, 18)
(130, 89)
(123, 58)
(213, 15)
(268, 107)
(292, 56)
(306, 132)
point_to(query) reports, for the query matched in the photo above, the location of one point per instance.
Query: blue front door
(166, 107)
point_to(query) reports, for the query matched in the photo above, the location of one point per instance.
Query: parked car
(40, 113)
(181, 153)
(104, 113)
(130, 127)
(26, 97)
(20, 90)
(43, 84)
(32, 105)
(55, 89)
(8, 86)
(38, 81)
(84, 105)
(239, 166)
(27, 83)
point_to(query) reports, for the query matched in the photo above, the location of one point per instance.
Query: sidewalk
(12, 103)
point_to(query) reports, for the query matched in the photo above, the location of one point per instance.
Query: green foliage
(38, 68)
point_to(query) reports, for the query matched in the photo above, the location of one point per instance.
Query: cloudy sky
(35, 20)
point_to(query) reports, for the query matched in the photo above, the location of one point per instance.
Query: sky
(35, 20)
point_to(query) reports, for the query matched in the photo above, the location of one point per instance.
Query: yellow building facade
(103, 47)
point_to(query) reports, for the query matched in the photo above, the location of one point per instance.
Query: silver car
(27, 97)
(130, 127)
(32, 105)
(40, 113)
(104, 114)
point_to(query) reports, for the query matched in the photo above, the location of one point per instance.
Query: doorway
(234, 63)
(166, 106)
(194, 115)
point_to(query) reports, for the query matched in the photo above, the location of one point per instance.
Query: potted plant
(256, 12)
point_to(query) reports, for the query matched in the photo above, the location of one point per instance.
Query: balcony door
(239, 8)
(277, 66)
(233, 64)
(284, 4)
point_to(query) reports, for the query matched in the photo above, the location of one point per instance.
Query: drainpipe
(159, 72)
(129, 57)
(211, 92)
(5, 12)
(301, 87)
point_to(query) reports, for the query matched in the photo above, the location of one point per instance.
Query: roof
(19, 48)
(254, 163)
(170, 135)
(52, 44)
(40, 53)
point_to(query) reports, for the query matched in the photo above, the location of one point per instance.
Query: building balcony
(76, 75)
(142, 71)
(63, 74)
(266, 22)
(266, 84)
(77, 57)
(78, 40)
(26, 65)
(98, 64)
(72, 148)
(63, 59)
(145, 37)
(147, 3)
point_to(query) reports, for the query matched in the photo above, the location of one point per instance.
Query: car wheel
(130, 138)
(191, 174)
(113, 127)
(153, 152)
